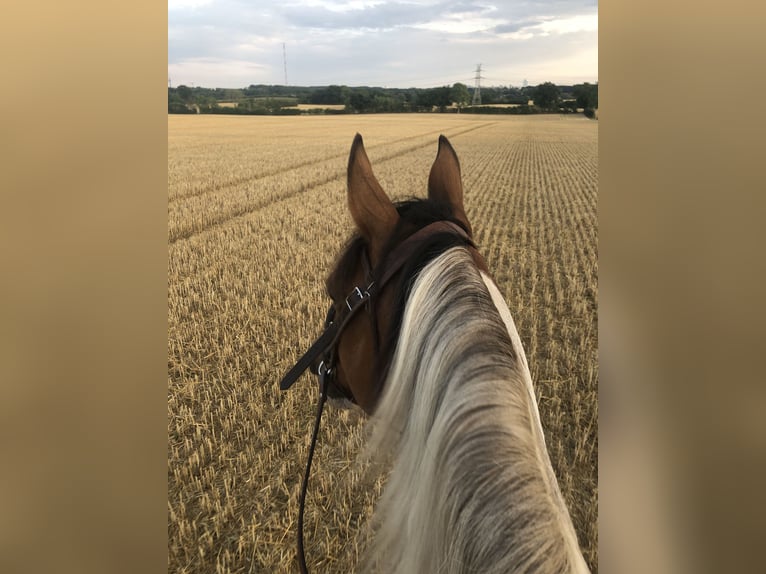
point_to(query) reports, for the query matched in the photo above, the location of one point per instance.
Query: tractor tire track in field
(195, 223)
(233, 182)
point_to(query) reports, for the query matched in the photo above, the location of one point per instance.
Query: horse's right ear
(445, 183)
(371, 209)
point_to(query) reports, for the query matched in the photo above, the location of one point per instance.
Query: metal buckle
(356, 292)
(323, 369)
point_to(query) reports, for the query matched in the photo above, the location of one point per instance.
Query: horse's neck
(472, 483)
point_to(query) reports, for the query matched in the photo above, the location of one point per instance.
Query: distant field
(256, 213)
(321, 106)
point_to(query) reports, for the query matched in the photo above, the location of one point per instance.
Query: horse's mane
(471, 487)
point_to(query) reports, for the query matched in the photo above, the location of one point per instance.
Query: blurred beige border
(681, 283)
(83, 290)
(83, 309)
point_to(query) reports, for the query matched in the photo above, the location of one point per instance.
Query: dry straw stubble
(256, 214)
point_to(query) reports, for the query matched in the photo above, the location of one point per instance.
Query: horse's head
(389, 241)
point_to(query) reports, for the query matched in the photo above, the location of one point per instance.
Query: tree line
(278, 99)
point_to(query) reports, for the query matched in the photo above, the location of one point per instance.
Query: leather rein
(339, 316)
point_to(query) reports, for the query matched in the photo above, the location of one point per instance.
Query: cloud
(512, 27)
(524, 30)
(579, 23)
(463, 18)
(399, 43)
(381, 16)
(186, 4)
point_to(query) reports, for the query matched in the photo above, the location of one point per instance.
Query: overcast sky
(399, 44)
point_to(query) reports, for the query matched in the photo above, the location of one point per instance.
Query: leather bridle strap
(323, 375)
(329, 338)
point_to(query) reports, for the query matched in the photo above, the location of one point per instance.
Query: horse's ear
(371, 209)
(444, 183)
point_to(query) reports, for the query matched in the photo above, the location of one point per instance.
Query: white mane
(471, 488)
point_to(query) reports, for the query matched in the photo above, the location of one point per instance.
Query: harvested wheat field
(256, 214)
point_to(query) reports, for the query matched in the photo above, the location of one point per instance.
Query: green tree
(360, 100)
(460, 94)
(175, 104)
(587, 95)
(330, 95)
(184, 92)
(439, 97)
(546, 96)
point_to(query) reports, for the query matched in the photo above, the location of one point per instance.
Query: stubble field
(256, 214)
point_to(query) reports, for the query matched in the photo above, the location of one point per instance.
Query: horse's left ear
(371, 209)
(444, 182)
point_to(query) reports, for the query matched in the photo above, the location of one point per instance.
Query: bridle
(340, 314)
